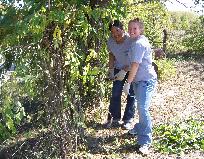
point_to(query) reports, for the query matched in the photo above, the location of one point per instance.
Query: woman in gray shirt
(143, 78)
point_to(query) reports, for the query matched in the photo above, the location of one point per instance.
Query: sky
(184, 5)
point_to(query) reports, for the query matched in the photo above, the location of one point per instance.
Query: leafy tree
(55, 46)
(59, 49)
(155, 17)
(194, 40)
(200, 5)
(180, 22)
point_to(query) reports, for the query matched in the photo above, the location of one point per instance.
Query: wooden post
(164, 40)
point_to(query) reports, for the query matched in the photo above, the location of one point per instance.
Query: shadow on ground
(187, 56)
(108, 141)
(195, 62)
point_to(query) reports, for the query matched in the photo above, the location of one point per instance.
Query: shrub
(180, 137)
(166, 69)
(11, 109)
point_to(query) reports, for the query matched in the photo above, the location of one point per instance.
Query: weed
(180, 137)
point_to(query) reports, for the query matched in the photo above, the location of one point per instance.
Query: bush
(194, 39)
(166, 69)
(180, 137)
(11, 109)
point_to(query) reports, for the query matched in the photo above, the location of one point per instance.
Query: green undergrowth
(166, 69)
(180, 137)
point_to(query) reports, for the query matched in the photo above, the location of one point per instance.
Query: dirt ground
(175, 99)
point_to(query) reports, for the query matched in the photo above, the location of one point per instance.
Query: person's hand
(111, 74)
(126, 68)
(120, 75)
(126, 88)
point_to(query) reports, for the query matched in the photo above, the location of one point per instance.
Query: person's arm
(111, 61)
(131, 76)
(111, 66)
(133, 71)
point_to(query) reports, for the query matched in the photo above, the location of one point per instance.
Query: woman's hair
(139, 22)
(116, 23)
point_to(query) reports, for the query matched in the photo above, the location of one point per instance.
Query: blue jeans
(143, 92)
(115, 101)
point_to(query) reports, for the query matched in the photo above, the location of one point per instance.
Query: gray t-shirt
(141, 52)
(120, 52)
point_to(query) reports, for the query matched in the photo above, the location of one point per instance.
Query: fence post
(164, 39)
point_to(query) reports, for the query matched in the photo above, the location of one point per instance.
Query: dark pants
(115, 101)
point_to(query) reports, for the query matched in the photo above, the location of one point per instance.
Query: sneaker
(114, 124)
(108, 124)
(127, 126)
(132, 132)
(144, 149)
